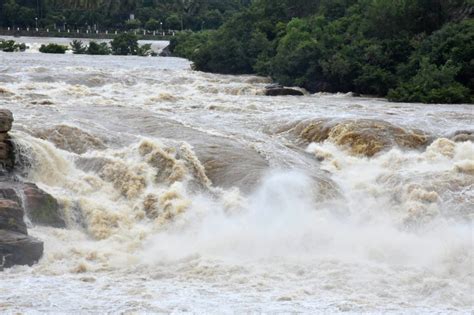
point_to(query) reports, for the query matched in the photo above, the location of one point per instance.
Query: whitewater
(193, 192)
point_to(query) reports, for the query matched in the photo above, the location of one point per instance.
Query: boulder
(6, 120)
(19, 249)
(41, 207)
(11, 217)
(278, 90)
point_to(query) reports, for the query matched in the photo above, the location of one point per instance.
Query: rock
(41, 207)
(278, 90)
(7, 159)
(11, 217)
(166, 52)
(71, 139)
(19, 249)
(6, 120)
(362, 136)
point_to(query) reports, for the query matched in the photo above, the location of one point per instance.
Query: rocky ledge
(18, 198)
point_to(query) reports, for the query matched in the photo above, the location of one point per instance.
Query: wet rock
(166, 52)
(7, 160)
(6, 120)
(19, 249)
(278, 90)
(362, 136)
(11, 217)
(71, 139)
(41, 207)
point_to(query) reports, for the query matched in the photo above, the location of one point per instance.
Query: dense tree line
(149, 14)
(408, 50)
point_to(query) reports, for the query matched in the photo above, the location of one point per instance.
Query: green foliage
(95, 48)
(175, 14)
(133, 24)
(125, 44)
(53, 49)
(364, 46)
(432, 84)
(11, 46)
(78, 47)
(144, 50)
(152, 25)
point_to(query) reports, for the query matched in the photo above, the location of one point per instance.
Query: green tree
(125, 44)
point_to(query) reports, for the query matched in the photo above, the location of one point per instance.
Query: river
(193, 192)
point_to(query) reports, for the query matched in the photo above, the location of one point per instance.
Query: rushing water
(193, 192)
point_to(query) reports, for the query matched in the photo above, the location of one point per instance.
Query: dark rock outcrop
(166, 52)
(11, 217)
(16, 197)
(41, 207)
(7, 159)
(18, 249)
(279, 90)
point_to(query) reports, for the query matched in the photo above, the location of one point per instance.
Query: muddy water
(193, 192)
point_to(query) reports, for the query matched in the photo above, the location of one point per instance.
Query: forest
(406, 50)
(150, 14)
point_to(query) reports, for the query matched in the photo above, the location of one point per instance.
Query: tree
(125, 44)
(152, 25)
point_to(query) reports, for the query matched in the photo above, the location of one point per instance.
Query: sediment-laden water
(192, 192)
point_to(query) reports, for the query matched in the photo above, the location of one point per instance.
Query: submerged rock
(71, 139)
(362, 136)
(463, 135)
(19, 249)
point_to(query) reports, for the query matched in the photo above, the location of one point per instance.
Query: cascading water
(185, 191)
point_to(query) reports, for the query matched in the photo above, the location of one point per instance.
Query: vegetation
(170, 14)
(53, 49)
(98, 49)
(410, 50)
(11, 46)
(124, 44)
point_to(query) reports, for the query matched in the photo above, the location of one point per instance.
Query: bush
(98, 49)
(78, 47)
(53, 49)
(145, 50)
(11, 46)
(125, 44)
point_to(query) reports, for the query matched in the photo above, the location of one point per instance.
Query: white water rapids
(188, 192)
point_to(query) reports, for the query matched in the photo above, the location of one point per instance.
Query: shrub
(144, 50)
(11, 46)
(78, 47)
(53, 49)
(98, 49)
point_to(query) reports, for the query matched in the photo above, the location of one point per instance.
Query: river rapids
(192, 192)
